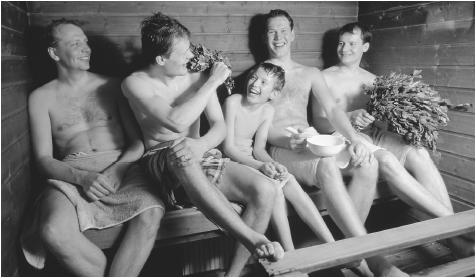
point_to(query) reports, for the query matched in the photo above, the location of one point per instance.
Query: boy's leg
(280, 222)
(59, 230)
(137, 243)
(362, 187)
(242, 185)
(307, 210)
(214, 205)
(419, 163)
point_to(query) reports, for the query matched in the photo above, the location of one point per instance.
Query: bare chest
(87, 110)
(348, 93)
(247, 123)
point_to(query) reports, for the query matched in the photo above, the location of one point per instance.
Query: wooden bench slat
(337, 253)
(458, 268)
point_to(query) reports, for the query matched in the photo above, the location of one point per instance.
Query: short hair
(158, 33)
(274, 70)
(50, 38)
(366, 35)
(279, 12)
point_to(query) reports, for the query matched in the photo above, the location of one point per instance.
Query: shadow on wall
(106, 57)
(329, 48)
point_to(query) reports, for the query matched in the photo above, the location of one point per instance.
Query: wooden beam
(344, 251)
(458, 268)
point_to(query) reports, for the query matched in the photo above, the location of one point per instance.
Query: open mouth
(253, 91)
(280, 44)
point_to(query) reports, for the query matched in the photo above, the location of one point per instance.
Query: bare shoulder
(330, 71)
(367, 76)
(234, 99)
(44, 95)
(138, 83)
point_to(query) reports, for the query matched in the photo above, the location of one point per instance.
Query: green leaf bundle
(409, 107)
(204, 59)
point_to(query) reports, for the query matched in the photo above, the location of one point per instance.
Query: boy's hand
(268, 169)
(281, 171)
(219, 73)
(180, 153)
(361, 118)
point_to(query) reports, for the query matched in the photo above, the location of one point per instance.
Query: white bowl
(325, 145)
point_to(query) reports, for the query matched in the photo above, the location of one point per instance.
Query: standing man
(424, 188)
(85, 141)
(347, 208)
(167, 101)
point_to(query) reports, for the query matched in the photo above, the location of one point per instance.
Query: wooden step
(328, 255)
(458, 268)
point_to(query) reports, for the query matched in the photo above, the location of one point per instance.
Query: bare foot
(272, 251)
(461, 247)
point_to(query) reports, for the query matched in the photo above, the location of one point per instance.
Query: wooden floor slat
(458, 268)
(333, 254)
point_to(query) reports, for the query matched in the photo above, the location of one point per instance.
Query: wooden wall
(16, 85)
(437, 37)
(218, 25)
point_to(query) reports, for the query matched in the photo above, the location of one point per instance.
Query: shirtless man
(93, 182)
(410, 171)
(167, 101)
(291, 110)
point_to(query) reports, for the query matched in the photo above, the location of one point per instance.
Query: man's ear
(293, 35)
(52, 53)
(160, 60)
(366, 47)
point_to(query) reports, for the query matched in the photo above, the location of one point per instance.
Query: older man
(86, 142)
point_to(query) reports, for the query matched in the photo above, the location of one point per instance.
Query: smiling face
(176, 63)
(351, 47)
(71, 49)
(261, 87)
(279, 36)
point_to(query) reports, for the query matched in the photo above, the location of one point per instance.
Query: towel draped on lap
(134, 195)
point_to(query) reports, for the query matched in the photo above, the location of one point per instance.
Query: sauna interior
(435, 37)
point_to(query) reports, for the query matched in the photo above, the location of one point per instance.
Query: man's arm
(94, 185)
(180, 117)
(229, 146)
(338, 118)
(134, 149)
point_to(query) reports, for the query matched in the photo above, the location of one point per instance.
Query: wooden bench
(190, 224)
(302, 261)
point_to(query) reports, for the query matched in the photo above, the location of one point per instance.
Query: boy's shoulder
(234, 99)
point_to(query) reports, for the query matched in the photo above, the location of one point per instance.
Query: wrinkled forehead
(66, 32)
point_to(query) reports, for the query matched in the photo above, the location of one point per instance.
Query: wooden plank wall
(16, 85)
(438, 38)
(218, 25)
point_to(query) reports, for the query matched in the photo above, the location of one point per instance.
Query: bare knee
(327, 170)
(388, 163)
(264, 193)
(149, 221)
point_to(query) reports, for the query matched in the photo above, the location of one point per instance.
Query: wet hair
(273, 70)
(50, 33)
(366, 35)
(276, 13)
(158, 33)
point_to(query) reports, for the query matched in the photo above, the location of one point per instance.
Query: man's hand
(298, 138)
(96, 186)
(361, 118)
(185, 151)
(360, 153)
(219, 73)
